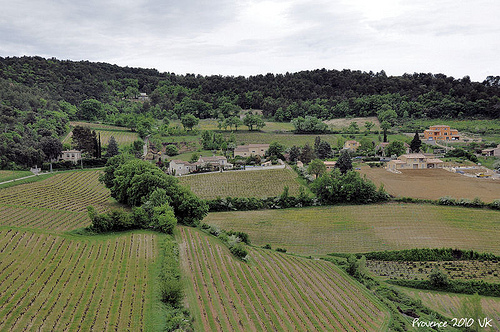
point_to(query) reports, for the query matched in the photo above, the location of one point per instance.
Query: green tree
(254, 121)
(194, 158)
(51, 147)
(385, 125)
(369, 125)
(189, 121)
(353, 128)
(112, 148)
(438, 278)
(344, 163)
(396, 148)
(306, 154)
(171, 150)
(416, 143)
(84, 139)
(91, 110)
(324, 150)
(365, 146)
(276, 150)
(316, 167)
(294, 153)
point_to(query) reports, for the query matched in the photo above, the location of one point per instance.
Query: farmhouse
(180, 167)
(251, 149)
(493, 152)
(351, 145)
(330, 165)
(215, 162)
(441, 133)
(414, 161)
(71, 155)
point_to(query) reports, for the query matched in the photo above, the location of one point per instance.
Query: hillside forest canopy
(38, 98)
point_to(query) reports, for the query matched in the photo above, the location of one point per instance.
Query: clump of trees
(157, 200)
(335, 187)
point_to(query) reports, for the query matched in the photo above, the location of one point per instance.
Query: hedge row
(453, 286)
(426, 254)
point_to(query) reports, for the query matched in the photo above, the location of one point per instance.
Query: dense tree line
(322, 93)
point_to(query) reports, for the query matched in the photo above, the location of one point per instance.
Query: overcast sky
(248, 37)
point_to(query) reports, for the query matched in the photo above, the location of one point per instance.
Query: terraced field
(261, 183)
(52, 283)
(274, 292)
(322, 230)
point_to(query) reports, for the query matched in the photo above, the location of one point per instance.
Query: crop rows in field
(51, 283)
(69, 191)
(34, 218)
(454, 305)
(261, 183)
(364, 228)
(272, 292)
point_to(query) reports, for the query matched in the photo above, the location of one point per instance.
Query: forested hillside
(39, 96)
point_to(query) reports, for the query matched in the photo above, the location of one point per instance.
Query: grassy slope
(321, 230)
(454, 305)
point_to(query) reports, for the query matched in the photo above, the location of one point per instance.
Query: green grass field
(458, 305)
(322, 230)
(273, 292)
(261, 183)
(11, 175)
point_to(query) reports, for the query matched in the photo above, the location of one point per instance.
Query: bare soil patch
(433, 184)
(345, 122)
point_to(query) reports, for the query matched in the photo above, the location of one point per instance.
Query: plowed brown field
(433, 184)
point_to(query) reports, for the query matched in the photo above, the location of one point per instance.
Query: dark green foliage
(253, 203)
(426, 254)
(306, 154)
(336, 188)
(85, 139)
(112, 148)
(416, 143)
(453, 286)
(238, 250)
(438, 278)
(242, 235)
(115, 220)
(309, 125)
(171, 150)
(253, 121)
(51, 147)
(283, 250)
(395, 148)
(344, 163)
(133, 182)
(461, 153)
(189, 121)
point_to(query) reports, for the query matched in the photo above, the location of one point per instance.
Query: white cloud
(246, 37)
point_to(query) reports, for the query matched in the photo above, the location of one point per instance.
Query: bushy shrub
(495, 205)
(447, 200)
